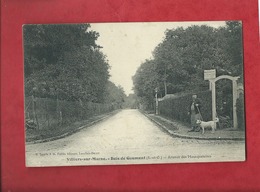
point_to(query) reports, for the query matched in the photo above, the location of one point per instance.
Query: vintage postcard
(133, 93)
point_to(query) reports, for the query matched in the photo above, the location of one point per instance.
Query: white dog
(204, 124)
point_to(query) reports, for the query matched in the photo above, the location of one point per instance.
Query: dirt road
(129, 138)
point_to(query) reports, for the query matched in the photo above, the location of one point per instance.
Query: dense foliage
(180, 59)
(145, 81)
(131, 101)
(240, 112)
(114, 95)
(168, 106)
(64, 62)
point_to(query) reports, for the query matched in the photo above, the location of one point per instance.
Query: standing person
(194, 111)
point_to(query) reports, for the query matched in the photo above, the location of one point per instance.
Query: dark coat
(197, 108)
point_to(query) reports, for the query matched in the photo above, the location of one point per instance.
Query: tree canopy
(64, 62)
(114, 94)
(180, 59)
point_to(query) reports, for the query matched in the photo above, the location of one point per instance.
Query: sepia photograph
(133, 93)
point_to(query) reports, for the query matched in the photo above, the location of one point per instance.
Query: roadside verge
(178, 129)
(77, 126)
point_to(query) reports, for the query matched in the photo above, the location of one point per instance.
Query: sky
(128, 45)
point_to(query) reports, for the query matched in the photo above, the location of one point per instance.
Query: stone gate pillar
(235, 96)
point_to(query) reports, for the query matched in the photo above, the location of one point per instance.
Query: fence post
(235, 96)
(57, 108)
(35, 119)
(213, 91)
(60, 118)
(47, 114)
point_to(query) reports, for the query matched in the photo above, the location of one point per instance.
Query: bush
(240, 112)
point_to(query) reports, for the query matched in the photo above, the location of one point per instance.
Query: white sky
(127, 45)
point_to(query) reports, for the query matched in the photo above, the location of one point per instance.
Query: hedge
(178, 107)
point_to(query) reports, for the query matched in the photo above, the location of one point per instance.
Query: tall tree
(64, 61)
(51, 42)
(183, 55)
(234, 46)
(146, 80)
(114, 95)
